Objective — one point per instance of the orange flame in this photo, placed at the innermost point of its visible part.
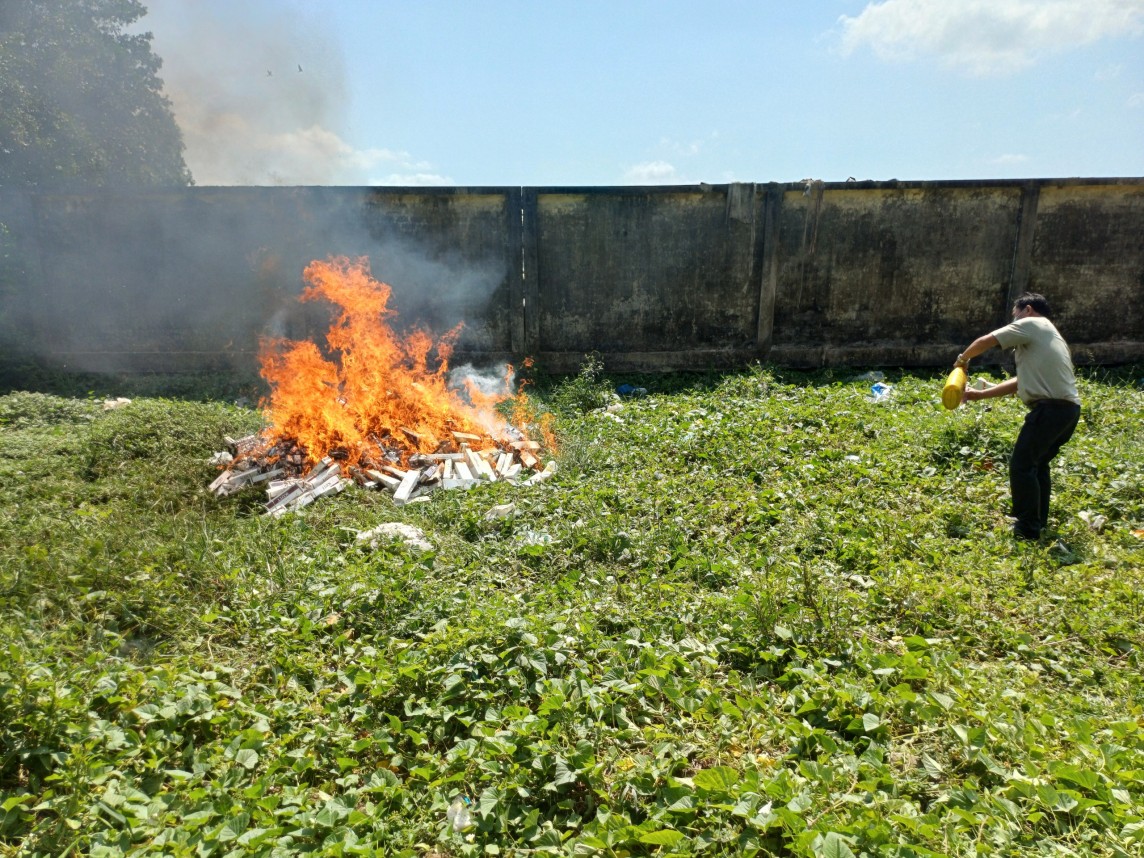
(524, 413)
(377, 388)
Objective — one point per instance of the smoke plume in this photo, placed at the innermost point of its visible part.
(259, 93)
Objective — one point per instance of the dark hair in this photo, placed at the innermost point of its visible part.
(1032, 299)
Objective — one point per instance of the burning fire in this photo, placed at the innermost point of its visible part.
(376, 392)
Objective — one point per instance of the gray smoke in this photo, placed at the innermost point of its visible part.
(493, 382)
(257, 93)
(168, 279)
(178, 279)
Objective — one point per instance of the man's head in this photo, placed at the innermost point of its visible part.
(1039, 304)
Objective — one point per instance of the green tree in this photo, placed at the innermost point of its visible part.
(80, 98)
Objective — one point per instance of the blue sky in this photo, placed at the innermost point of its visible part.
(374, 92)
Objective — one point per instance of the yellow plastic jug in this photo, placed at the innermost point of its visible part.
(954, 385)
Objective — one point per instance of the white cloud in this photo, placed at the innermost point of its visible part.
(987, 37)
(652, 173)
(1009, 160)
(672, 161)
(227, 148)
(1136, 99)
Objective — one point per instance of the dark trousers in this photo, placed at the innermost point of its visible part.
(1048, 425)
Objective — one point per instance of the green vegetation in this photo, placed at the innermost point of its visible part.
(755, 614)
(81, 101)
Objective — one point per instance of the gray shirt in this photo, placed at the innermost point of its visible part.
(1044, 364)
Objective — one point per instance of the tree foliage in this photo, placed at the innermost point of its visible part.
(80, 99)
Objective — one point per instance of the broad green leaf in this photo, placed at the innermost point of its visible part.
(933, 767)
(247, 758)
(800, 803)
(765, 816)
(590, 842)
(564, 775)
(112, 814)
(942, 700)
(193, 820)
(834, 846)
(663, 837)
(717, 779)
(548, 839)
(330, 814)
(234, 827)
(1048, 796)
(251, 835)
(1084, 778)
(1059, 800)
(490, 801)
(16, 801)
(683, 804)
(905, 692)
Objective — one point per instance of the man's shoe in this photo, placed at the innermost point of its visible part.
(1026, 534)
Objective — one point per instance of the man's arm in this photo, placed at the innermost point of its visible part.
(978, 347)
(1005, 388)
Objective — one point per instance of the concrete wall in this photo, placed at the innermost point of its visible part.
(897, 273)
(887, 275)
(657, 278)
(865, 273)
(1087, 251)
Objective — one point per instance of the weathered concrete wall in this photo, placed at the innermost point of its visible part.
(867, 273)
(1087, 252)
(655, 277)
(901, 273)
(888, 275)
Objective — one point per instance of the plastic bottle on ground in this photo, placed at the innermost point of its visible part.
(458, 814)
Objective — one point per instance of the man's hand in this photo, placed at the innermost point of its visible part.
(967, 395)
(978, 347)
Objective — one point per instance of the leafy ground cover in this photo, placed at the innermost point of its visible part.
(752, 614)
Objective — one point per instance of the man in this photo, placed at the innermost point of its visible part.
(1045, 382)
